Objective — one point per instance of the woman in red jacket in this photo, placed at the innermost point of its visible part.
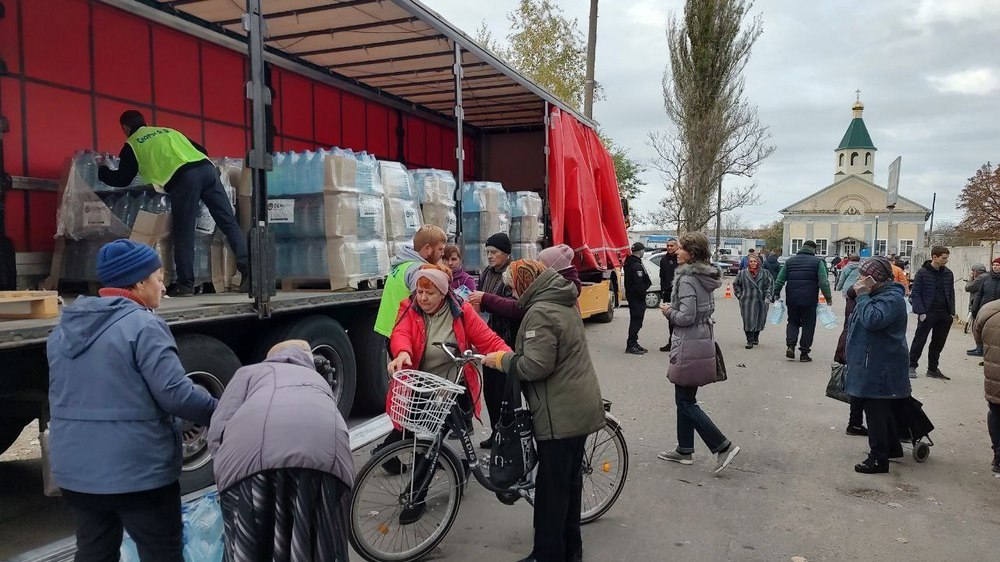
(434, 314)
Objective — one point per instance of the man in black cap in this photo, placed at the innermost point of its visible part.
(806, 276)
(636, 283)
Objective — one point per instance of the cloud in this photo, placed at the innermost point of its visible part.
(647, 14)
(933, 12)
(974, 81)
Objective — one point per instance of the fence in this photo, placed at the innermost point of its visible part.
(960, 262)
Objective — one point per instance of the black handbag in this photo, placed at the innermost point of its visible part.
(835, 388)
(720, 365)
(513, 453)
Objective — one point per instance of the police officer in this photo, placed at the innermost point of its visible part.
(636, 283)
(168, 159)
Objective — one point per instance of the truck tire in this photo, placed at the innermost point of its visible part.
(10, 430)
(373, 361)
(211, 365)
(328, 338)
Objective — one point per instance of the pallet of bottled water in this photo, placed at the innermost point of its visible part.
(485, 212)
(435, 192)
(403, 217)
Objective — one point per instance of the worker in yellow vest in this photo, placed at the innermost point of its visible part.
(428, 247)
(168, 159)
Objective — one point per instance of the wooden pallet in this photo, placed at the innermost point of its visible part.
(292, 284)
(20, 305)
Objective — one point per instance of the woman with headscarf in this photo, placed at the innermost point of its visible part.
(692, 351)
(753, 287)
(855, 419)
(560, 383)
(282, 461)
(435, 314)
(878, 359)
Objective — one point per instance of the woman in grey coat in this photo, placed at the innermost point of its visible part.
(282, 454)
(692, 351)
(753, 287)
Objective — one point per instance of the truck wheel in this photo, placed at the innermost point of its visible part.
(327, 338)
(211, 365)
(373, 360)
(10, 430)
(608, 316)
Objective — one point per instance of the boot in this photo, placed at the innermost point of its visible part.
(790, 352)
(996, 462)
(244, 270)
(977, 352)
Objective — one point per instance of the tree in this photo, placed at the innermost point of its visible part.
(551, 50)
(950, 233)
(772, 234)
(735, 225)
(717, 133)
(980, 198)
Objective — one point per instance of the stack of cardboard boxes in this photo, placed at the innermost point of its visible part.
(435, 191)
(526, 229)
(485, 212)
(402, 211)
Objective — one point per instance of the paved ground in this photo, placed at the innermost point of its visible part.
(791, 493)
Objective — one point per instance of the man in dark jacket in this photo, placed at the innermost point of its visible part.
(771, 263)
(933, 297)
(668, 264)
(988, 291)
(171, 161)
(636, 283)
(115, 387)
(805, 275)
(977, 276)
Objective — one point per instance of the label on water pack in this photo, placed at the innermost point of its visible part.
(451, 224)
(410, 219)
(368, 207)
(281, 211)
(205, 223)
(96, 214)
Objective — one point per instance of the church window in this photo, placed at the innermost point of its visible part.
(854, 156)
(841, 159)
(880, 247)
(868, 158)
(906, 248)
(796, 245)
(822, 245)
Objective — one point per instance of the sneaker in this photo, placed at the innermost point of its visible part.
(978, 352)
(673, 456)
(937, 374)
(804, 357)
(634, 350)
(913, 372)
(749, 345)
(996, 463)
(790, 352)
(665, 348)
(856, 430)
(871, 466)
(726, 457)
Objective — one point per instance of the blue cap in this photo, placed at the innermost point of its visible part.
(123, 263)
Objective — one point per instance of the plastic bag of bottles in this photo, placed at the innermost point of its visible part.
(826, 317)
(203, 538)
(777, 314)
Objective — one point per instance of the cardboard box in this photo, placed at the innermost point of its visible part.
(150, 228)
(339, 173)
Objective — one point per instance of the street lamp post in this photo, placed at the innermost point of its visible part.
(875, 242)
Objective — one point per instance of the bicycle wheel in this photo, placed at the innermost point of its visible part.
(605, 468)
(382, 489)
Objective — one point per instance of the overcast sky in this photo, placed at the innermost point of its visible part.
(928, 70)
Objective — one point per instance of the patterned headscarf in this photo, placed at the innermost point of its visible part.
(521, 274)
(878, 268)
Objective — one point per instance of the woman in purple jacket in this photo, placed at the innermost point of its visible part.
(452, 257)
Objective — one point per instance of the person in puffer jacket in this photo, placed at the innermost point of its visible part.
(987, 330)
(116, 391)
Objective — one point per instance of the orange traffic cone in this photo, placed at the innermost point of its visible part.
(729, 292)
(822, 299)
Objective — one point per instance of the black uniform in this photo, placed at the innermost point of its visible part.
(636, 283)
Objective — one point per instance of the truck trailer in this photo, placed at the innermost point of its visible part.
(391, 78)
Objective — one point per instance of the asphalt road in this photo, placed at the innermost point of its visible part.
(792, 493)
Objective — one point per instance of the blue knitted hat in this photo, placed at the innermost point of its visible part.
(123, 263)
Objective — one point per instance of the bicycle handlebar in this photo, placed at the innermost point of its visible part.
(467, 357)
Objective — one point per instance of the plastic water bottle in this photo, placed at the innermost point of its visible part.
(826, 317)
(128, 551)
(313, 220)
(292, 185)
(777, 312)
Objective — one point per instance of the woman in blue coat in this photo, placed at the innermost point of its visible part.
(877, 359)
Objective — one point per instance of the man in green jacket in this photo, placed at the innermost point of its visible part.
(428, 247)
(169, 160)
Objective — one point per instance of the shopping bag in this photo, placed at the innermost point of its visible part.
(720, 365)
(777, 314)
(835, 388)
(513, 454)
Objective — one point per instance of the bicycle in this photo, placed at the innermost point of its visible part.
(402, 510)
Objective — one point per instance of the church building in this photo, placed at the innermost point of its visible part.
(850, 215)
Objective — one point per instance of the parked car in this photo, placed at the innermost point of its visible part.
(732, 265)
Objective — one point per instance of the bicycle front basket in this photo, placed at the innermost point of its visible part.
(420, 402)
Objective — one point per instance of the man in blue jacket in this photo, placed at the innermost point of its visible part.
(932, 295)
(805, 275)
(115, 385)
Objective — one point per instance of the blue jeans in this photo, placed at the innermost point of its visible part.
(691, 418)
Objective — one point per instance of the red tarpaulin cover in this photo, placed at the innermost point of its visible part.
(585, 207)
